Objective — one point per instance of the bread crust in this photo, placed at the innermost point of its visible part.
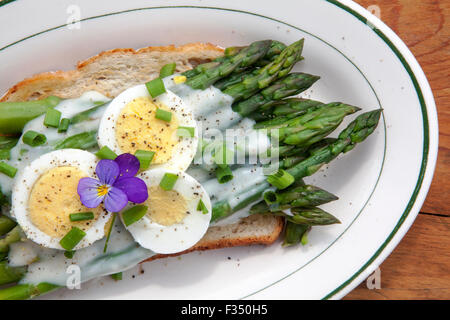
(43, 84)
(95, 72)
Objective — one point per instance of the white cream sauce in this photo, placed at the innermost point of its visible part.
(23, 154)
(211, 107)
(51, 266)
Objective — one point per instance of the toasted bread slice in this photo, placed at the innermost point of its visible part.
(112, 72)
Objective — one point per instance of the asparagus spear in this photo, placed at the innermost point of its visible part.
(26, 291)
(244, 58)
(301, 196)
(295, 233)
(12, 236)
(289, 108)
(84, 140)
(8, 142)
(356, 132)
(6, 224)
(263, 77)
(275, 49)
(310, 127)
(292, 84)
(249, 194)
(14, 115)
(10, 274)
(312, 216)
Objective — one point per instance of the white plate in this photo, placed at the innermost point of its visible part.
(381, 184)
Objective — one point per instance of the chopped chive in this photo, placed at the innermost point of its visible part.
(270, 197)
(106, 153)
(134, 214)
(5, 154)
(5, 168)
(201, 207)
(281, 179)
(187, 132)
(52, 117)
(69, 254)
(167, 70)
(33, 138)
(81, 216)
(109, 232)
(224, 174)
(163, 115)
(155, 87)
(64, 125)
(72, 238)
(168, 181)
(117, 276)
(304, 240)
(145, 158)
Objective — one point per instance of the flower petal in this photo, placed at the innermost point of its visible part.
(128, 164)
(87, 190)
(107, 171)
(115, 200)
(134, 188)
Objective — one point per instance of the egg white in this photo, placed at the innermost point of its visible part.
(83, 160)
(180, 236)
(183, 152)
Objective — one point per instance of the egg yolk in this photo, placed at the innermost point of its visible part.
(138, 129)
(54, 197)
(166, 207)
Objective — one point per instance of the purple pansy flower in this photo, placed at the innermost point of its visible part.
(116, 184)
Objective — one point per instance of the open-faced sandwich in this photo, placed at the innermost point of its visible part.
(137, 155)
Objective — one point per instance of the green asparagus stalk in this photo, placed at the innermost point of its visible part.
(14, 115)
(89, 114)
(310, 127)
(84, 140)
(10, 274)
(292, 84)
(6, 224)
(307, 133)
(8, 142)
(301, 196)
(294, 233)
(356, 132)
(26, 291)
(233, 79)
(294, 107)
(11, 237)
(244, 58)
(263, 77)
(312, 216)
(275, 49)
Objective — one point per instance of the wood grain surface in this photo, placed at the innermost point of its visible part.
(419, 268)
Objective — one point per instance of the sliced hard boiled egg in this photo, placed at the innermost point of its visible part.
(174, 220)
(133, 122)
(45, 194)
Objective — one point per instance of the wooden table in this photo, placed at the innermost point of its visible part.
(419, 268)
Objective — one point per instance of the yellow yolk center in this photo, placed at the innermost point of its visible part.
(54, 197)
(165, 207)
(138, 129)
